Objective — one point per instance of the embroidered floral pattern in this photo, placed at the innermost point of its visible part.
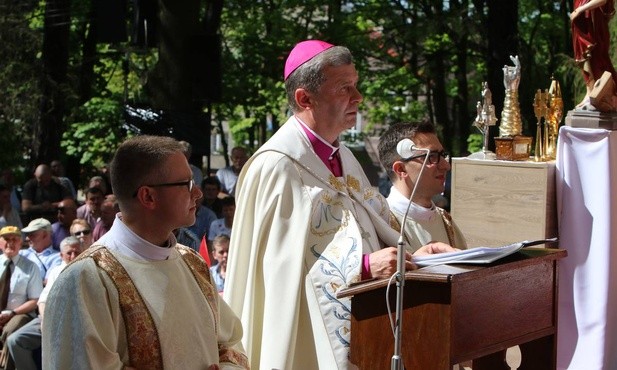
(337, 267)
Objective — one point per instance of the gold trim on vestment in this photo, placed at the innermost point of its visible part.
(447, 223)
(144, 346)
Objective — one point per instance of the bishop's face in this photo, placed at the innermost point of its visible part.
(335, 105)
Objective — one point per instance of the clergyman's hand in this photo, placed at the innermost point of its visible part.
(383, 262)
(434, 248)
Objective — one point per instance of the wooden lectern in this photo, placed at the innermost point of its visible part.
(457, 313)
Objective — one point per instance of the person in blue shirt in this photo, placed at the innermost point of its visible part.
(220, 250)
(41, 252)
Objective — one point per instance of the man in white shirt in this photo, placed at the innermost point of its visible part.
(41, 252)
(23, 342)
(228, 176)
(22, 281)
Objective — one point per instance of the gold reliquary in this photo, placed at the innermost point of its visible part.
(513, 148)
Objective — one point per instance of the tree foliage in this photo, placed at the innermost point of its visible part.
(416, 59)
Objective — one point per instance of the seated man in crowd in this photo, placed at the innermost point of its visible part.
(91, 210)
(222, 226)
(41, 194)
(104, 223)
(57, 170)
(20, 288)
(41, 252)
(228, 176)
(211, 187)
(425, 221)
(67, 212)
(27, 339)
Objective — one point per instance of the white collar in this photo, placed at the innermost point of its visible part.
(398, 203)
(122, 239)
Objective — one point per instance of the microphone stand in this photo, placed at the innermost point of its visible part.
(396, 362)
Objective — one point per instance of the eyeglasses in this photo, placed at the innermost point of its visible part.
(82, 232)
(189, 183)
(433, 156)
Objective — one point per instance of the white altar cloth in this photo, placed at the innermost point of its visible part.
(587, 214)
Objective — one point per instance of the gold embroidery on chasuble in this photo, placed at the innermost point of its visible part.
(447, 223)
(142, 337)
(394, 223)
(353, 183)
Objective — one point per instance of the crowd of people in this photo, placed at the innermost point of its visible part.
(61, 223)
(283, 230)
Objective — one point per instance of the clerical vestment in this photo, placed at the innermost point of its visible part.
(116, 311)
(298, 238)
(424, 225)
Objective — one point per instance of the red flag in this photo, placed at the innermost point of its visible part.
(203, 251)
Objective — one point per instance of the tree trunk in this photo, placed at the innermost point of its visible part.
(170, 83)
(86, 73)
(502, 31)
(47, 133)
(461, 119)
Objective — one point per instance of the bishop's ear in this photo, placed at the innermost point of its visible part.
(303, 98)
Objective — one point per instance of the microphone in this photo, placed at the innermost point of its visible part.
(406, 147)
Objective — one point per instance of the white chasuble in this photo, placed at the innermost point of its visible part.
(298, 238)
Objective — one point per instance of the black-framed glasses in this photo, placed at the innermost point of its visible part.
(82, 232)
(188, 183)
(433, 156)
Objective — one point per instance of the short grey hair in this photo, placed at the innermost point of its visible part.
(310, 75)
(68, 241)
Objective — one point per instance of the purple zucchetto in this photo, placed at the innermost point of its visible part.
(302, 53)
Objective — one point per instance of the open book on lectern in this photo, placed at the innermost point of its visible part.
(479, 255)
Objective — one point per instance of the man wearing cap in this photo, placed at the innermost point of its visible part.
(308, 222)
(41, 252)
(20, 288)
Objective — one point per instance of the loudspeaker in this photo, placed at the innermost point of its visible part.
(110, 20)
(207, 67)
(145, 23)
